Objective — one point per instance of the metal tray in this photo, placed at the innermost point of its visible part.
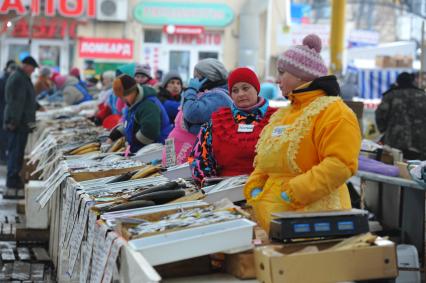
(194, 242)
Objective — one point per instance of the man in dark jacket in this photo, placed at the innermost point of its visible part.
(10, 67)
(401, 117)
(19, 120)
(146, 120)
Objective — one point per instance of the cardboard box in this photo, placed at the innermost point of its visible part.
(403, 62)
(190, 267)
(403, 170)
(27, 170)
(385, 62)
(241, 265)
(283, 263)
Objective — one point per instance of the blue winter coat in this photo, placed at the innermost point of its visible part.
(198, 107)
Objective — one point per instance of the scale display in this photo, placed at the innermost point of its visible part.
(287, 226)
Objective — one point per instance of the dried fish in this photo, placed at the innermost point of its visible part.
(187, 218)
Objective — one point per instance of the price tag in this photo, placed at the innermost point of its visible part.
(278, 131)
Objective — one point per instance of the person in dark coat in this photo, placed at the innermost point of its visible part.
(19, 121)
(401, 117)
(10, 67)
(170, 92)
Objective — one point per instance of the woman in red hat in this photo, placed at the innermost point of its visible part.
(225, 145)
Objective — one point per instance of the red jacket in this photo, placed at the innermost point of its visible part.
(233, 149)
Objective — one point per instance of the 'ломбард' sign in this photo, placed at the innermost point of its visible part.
(105, 48)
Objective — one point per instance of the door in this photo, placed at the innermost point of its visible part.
(179, 61)
(54, 54)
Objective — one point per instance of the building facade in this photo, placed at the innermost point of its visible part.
(99, 35)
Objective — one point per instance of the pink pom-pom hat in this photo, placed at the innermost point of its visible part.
(304, 61)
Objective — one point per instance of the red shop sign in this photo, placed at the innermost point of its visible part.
(43, 28)
(191, 39)
(71, 9)
(105, 48)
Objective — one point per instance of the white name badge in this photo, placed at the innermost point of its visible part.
(245, 128)
(278, 131)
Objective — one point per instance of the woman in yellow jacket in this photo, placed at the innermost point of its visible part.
(309, 149)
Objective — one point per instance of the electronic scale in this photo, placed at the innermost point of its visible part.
(328, 224)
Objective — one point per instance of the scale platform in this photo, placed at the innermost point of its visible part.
(328, 224)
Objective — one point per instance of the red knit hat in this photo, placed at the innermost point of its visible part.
(75, 72)
(243, 74)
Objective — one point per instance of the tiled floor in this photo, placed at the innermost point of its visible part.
(21, 269)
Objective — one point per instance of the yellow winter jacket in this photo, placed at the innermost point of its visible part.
(308, 150)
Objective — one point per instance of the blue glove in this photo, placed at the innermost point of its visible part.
(285, 197)
(255, 192)
(196, 84)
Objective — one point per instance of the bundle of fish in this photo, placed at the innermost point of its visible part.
(185, 219)
(148, 196)
(118, 145)
(86, 148)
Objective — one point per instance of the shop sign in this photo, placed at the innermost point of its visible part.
(105, 48)
(363, 38)
(65, 8)
(172, 29)
(195, 14)
(296, 33)
(43, 28)
(190, 39)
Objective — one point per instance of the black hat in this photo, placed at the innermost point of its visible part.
(405, 79)
(30, 61)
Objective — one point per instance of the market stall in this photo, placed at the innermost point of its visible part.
(114, 215)
(410, 205)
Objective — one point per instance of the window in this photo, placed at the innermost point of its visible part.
(18, 52)
(49, 56)
(152, 36)
(203, 55)
(179, 62)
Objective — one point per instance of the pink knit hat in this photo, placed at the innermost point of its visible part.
(60, 81)
(304, 61)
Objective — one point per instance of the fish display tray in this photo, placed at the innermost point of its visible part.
(194, 242)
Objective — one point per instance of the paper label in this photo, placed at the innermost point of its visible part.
(69, 195)
(109, 268)
(245, 128)
(78, 234)
(101, 253)
(52, 183)
(88, 249)
(84, 262)
(170, 152)
(72, 220)
(99, 242)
